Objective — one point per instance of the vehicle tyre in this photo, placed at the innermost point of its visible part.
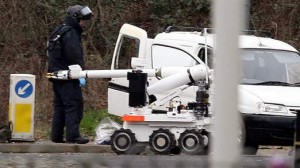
(206, 141)
(241, 133)
(250, 148)
(122, 140)
(191, 142)
(162, 141)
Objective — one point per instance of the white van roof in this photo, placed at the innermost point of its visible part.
(251, 41)
(185, 37)
(247, 41)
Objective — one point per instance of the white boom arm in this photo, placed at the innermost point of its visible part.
(174, 79)
(76, 72)
(183, 77)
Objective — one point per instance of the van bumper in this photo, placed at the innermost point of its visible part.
(270, 130)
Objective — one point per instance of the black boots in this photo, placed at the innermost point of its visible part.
(58, 141)
(79, 140)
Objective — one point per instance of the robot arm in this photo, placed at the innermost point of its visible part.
(190, 75)
(76, 72)
(171, 78)
(137, 83)
(198, 73)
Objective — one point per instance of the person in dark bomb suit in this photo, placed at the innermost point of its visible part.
(64, 49)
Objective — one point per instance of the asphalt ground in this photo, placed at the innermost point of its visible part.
(48, 154)
(104, 160)
(92, 147)
(50, 147)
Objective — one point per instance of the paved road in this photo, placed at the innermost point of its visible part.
(109, 160)
(79, 160)
(45, 154)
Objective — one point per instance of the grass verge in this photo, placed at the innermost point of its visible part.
(88, 125)
(91, 120)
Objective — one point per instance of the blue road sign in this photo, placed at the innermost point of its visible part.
(24, 88)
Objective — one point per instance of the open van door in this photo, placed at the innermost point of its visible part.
(132, 42)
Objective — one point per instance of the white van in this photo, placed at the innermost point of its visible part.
(268, 93)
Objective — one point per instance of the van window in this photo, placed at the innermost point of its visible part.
(170, 56)
(210, 58)
(270, 65)
(129, 48)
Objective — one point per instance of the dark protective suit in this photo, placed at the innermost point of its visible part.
(68, 101)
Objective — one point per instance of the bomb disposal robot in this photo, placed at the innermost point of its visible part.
(184, 127)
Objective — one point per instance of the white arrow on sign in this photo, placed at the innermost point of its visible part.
(21, 90)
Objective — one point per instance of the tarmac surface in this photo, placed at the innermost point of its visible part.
(50, 147)
(92, 147)
(48, 154)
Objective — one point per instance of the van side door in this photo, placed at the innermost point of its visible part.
(131, 42)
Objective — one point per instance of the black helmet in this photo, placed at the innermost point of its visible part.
(80, 12)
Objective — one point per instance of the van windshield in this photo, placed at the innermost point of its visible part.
(270, 66)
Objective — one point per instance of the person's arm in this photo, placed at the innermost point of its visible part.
(73, 48)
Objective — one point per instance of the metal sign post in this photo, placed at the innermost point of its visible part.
(228, 24)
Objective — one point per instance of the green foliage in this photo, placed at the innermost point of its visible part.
(180, 12)
(92, 118)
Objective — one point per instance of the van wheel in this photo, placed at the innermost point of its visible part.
(250, 148)
(241, 133)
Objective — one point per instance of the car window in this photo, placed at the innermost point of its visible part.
(170, 56)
